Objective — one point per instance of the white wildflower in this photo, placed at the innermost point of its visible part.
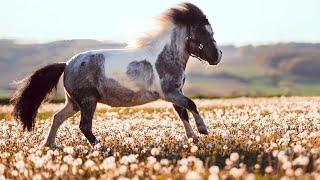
(193, 149)
(193, 175)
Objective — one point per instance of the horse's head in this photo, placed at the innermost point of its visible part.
(201, 44)
(199, 41)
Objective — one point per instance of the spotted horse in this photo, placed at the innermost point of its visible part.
(153, 69)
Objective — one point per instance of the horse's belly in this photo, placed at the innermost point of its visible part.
(129, 82)
(117, 95)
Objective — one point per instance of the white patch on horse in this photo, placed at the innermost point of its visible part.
(117, 60)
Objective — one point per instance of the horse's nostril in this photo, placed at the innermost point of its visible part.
(220, 51)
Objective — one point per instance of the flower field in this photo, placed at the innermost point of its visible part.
(249, 138)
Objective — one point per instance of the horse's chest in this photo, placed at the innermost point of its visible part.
(171, 75)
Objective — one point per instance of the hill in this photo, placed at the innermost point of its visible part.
(276, 69)
(18, 60)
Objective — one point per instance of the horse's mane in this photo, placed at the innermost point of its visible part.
(182, 14)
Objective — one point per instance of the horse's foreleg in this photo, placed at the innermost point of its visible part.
(67, 111)
(183, 114)
(179, 99)
(87, 107)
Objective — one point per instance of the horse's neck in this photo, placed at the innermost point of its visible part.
(170, 42)
(175, 49)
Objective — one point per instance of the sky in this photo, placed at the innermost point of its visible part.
(237, 22)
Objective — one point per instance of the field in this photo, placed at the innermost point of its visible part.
(250, 138)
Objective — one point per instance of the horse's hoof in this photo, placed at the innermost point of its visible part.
(49, 145)
(96, 144)
(203, 130)
(195, 140)
(52, 146)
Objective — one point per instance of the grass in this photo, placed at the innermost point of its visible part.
(245, 71)
(4, 100)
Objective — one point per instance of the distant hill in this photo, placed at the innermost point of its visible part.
(295, 58)
(277, 69)
(18, 60)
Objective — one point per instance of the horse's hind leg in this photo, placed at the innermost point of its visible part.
(87, 107)
(67, 111)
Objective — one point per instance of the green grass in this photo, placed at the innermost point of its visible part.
(245, 71)
(4, 100)
(40, 115)
(3, 116)
(309, 89)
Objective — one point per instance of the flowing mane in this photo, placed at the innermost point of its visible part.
(181, 15)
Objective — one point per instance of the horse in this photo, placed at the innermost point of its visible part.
(154, 69)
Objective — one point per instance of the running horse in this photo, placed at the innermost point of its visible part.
(154, 69)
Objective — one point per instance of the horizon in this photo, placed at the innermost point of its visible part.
(23, 42)
(250, 18)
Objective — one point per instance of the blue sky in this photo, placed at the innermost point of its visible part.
(236, 22)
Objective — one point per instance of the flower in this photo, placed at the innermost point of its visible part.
(89, 163)
(148, 142)
(2, 168)
(234, 157)
(68, 150)
(193, 175)
(155, 151)
(194, 149)
(301, 160)
(123, 170)
(236, 173)
(269, 169)
(214, 170)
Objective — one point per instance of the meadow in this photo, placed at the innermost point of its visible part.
(249, 138)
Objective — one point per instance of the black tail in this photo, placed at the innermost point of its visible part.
(33, 91)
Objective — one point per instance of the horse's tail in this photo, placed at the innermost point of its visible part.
(33, 90)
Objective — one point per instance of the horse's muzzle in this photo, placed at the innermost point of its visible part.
(218, 59)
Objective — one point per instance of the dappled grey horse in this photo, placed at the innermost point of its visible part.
(154, 69)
